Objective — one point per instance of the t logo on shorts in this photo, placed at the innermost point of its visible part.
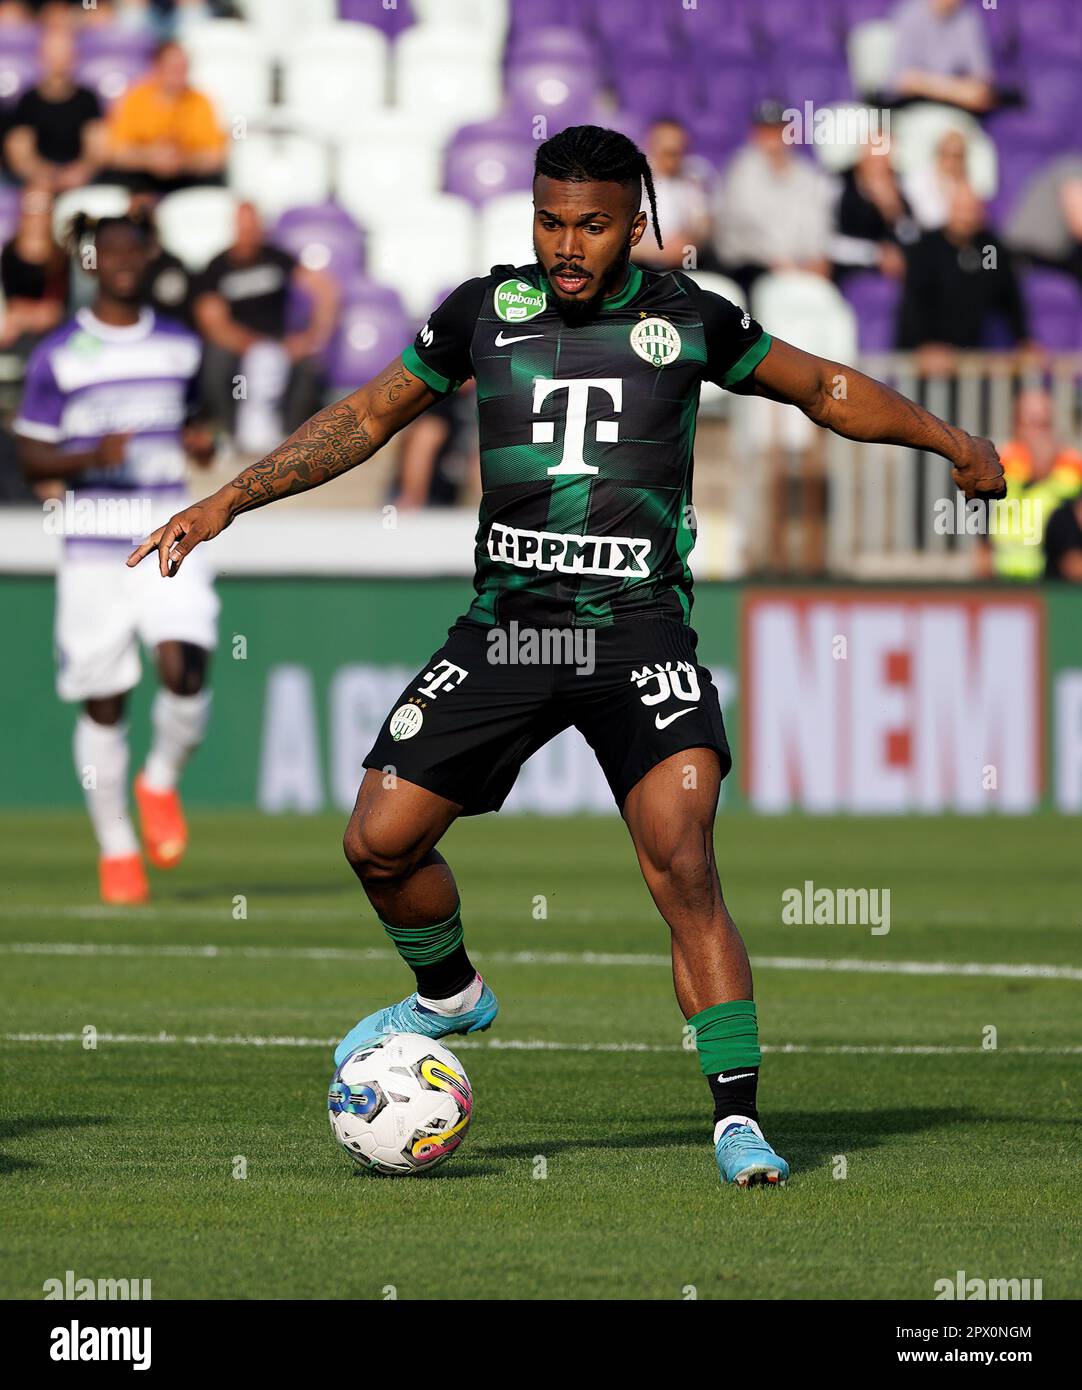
(445, 676)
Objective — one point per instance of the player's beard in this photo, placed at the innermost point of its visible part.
(577, 312)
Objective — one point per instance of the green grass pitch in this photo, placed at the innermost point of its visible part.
(120, 1161)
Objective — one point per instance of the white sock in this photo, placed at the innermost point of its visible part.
(180, 722)
(723, 1125)
(455, 1003)
(101, 763)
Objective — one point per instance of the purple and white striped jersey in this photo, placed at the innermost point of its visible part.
(88, 379)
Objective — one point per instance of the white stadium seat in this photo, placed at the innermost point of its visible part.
(505, 231)
(487, 20)
(95, 199)
(810, 312)
(444, 74)
(280, 171)
(386, 148)
(870, 47)
(426, 250)
(331, 78)
(917, 130)
(278, 22)
(195, 224)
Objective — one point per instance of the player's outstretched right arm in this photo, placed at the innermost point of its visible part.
(333, 441)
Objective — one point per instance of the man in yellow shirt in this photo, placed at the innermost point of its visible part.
(162, 133)
(1041, 473)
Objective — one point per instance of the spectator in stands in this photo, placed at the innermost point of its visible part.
(960, 285)
(1063, 543)
(1042, 473)
(773, 209)
(682, 207)
(941, 54)
(34, 276)
(873, 218)
(439, 464)
(163, 134)
(1046, 225)
(56, 139)
(241, 303)
(929, 188)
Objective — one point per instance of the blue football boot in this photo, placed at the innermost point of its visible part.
(411, 1017)
(745, 1158)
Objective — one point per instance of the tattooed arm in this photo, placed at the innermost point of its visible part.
(333, 441)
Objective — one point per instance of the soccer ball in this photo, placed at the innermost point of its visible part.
(400, 1103)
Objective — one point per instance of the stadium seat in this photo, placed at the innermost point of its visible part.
(110, 60)
(370, 164)
(445, 77)
(561, 92)
(528, 14)
(280, 171)
(390, 19)
(486, 160)
(373, 329)
(809, 312)
(860, 11)
(799, 78)
(505, 232)
(333, 76)
(874, 299)
(1054, 301)
(870, 47)
(484, 17)
(95, 199)
(10, 200)
(322, 237)
(800, 27)
(275, 24)
(916, 130)
(556, 45)
(644, 23)
(427, 245)
(19, 70)
(195, 224)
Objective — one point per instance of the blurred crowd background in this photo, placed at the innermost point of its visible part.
(892, 182)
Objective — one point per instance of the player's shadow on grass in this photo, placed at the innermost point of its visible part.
(19, 1126)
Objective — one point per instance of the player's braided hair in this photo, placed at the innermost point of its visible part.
(83, 228)
(585, 153)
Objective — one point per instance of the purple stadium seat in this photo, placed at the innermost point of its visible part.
(391, 21)
(1054, 301)
(801, 27)
(18, 71)
(716, 135)
(1024, 142)
(857, 11)
(553, 44)
(322, 236)
(562, 93)
(725, 26)
(798, 79)
(540, 14)
(650, 89)
(485, 160)
(874, 299)
(644, 23)
(373, 329)
(110, 74)
(1051, 26)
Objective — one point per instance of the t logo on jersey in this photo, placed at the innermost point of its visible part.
(578, 398)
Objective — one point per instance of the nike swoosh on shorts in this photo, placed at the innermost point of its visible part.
(663, 723)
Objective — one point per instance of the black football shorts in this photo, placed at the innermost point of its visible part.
(492, 696)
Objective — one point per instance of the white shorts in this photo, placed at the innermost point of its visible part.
(104, 610)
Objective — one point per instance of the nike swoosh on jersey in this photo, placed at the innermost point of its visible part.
(501, 341)
(663, 723)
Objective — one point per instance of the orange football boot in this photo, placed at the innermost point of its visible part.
(161, 819)
(123, 880)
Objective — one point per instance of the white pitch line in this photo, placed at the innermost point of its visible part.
(541, 1045)
(840, 965)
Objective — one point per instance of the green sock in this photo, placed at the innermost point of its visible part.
(727, 1036)
(426, 945)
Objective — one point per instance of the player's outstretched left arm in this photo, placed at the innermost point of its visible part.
(333, 441)
(858, 407)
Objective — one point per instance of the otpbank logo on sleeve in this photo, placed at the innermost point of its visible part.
(515, 301)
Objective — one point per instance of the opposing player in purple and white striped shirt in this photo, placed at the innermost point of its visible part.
(107, 410)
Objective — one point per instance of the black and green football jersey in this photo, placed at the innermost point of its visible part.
(586, 437)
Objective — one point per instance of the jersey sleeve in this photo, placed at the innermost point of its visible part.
(440, 353)
(735, 343)
(42, 406)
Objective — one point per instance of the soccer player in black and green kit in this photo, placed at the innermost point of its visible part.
(588, 372)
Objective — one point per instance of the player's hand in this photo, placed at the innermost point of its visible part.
(979, 472)
(181, 534)
(111, 450)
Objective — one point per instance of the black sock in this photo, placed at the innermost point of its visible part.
(445, 977)
(734, 1092)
